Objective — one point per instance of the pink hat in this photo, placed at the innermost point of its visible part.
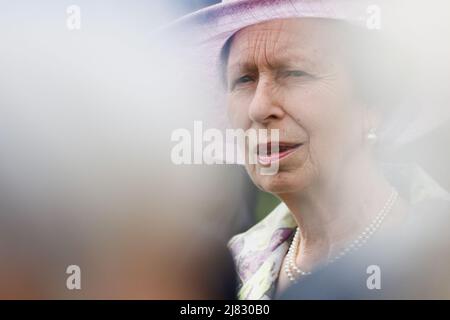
(211, 27)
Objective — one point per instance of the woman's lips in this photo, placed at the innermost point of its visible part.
(284, 150)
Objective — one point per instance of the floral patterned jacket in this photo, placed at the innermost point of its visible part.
(259, 252)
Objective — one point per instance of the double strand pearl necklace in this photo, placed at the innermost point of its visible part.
(293, 271)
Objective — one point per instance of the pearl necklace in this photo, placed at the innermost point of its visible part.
(293, 271)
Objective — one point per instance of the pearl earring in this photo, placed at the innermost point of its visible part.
(372, 136)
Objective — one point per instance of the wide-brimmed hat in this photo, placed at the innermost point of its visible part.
(206, 31)
(211, 27)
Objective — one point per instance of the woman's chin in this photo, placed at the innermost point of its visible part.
(280, 183)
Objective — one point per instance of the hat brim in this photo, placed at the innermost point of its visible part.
(214, 25)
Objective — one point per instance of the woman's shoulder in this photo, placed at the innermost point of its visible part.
(414, 184)
(259, 251)
(429, 202)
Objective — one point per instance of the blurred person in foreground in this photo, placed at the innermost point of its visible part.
(340, 96)
(86, 177)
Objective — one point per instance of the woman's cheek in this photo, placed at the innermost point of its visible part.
(238, 113)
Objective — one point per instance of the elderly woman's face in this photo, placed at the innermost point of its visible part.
(289, 75)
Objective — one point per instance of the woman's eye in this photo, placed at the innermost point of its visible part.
(242, 80)
(296, 73)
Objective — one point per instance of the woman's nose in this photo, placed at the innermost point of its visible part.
(265, 106)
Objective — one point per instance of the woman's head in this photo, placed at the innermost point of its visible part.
(295, 75)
